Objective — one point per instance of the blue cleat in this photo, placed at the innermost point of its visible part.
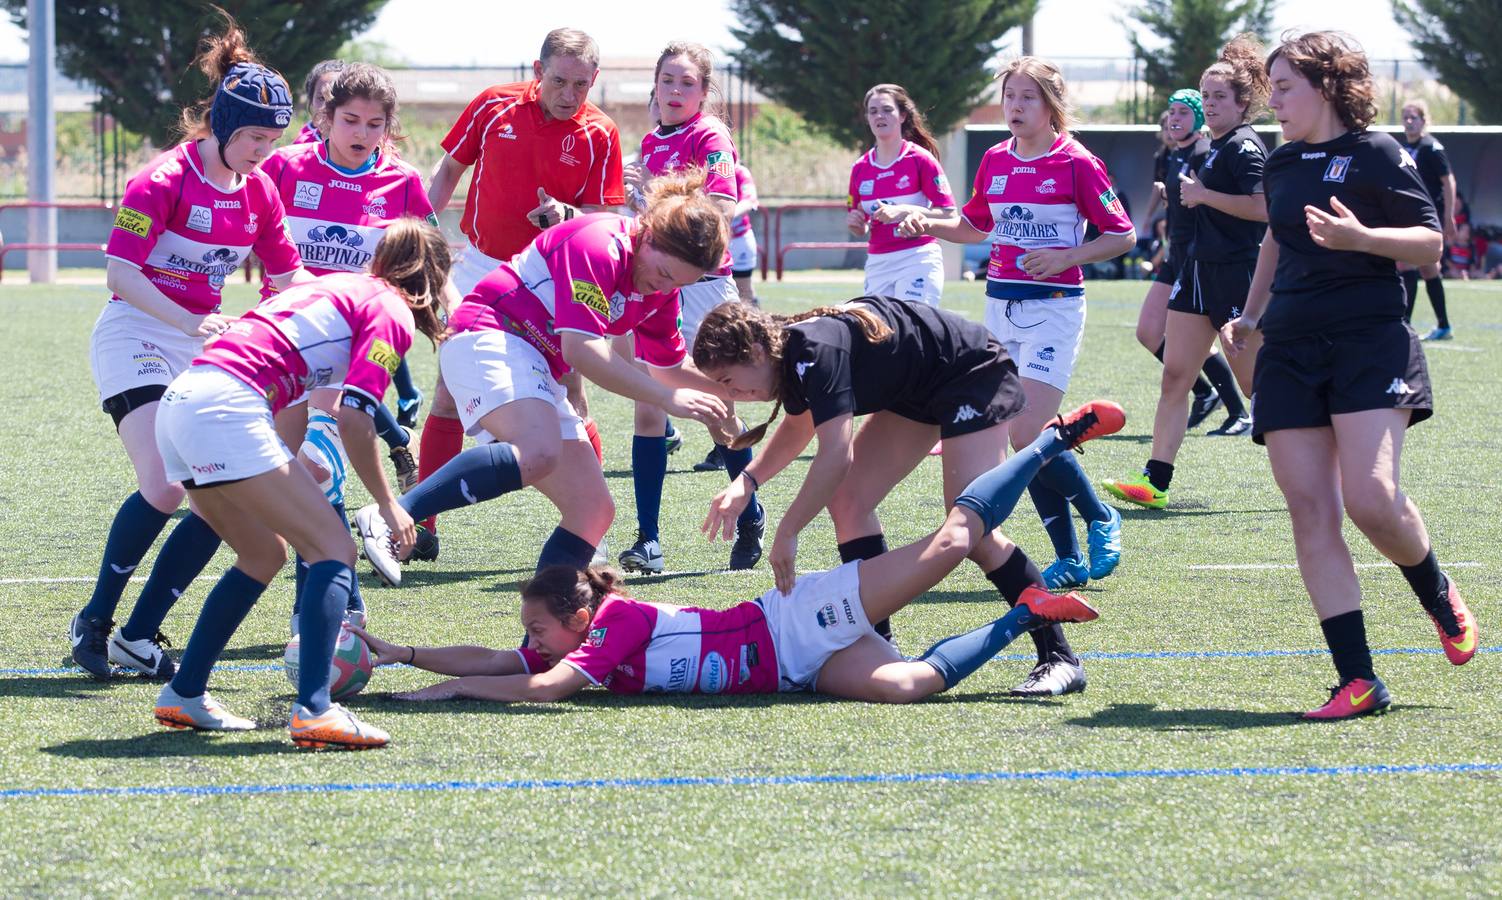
(1066, 572)
(1105, 544)
(1439, 334)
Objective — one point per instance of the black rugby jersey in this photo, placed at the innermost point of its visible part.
(830, 369)
(1429, 155)
(1234, 166)
(1186, 160)
(1320, 290)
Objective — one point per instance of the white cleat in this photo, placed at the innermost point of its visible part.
(145, 656)
(202, 713)
(375, 537)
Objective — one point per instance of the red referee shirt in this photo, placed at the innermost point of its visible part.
(515, 149)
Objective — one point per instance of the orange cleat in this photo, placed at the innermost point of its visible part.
(1357, 697)
(1460, 642)
(1070, 607)
(336, 729)
(1097, 418)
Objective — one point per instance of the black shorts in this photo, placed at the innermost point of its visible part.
(1302, 382)
(983, 397)
(1215, 290)
(1168, 269)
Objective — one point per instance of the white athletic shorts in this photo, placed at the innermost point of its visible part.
(916, 273)
(470, 267)
(698, 299)
(821, 617)
(130, 349)
(486, 369)
(743, 257)
(1042, 336)
(213, 427)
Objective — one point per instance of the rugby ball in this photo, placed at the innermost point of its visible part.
(349, 671)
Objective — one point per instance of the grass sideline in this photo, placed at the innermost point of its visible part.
(1169, 775)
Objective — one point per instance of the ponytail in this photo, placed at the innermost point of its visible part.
(566, 590)
(217, 54)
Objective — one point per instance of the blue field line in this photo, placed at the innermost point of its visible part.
(552, 784)
(1003, 657)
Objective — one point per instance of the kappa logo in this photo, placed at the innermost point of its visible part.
(307, 195)
(1048, 186)
(964, 414)
(567, 155)
(802, 368)
(201, 219)
(998, 184)
(1337, 169)
(1319, 155)
(1249, 146)
(1399, 387)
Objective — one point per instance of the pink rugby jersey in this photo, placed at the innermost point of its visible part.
(642, 648)
(701, 141)
(187, 235)
(576, 276)
(308, 135)
(1042, 203)
(348, 328)
(335, 219)
(745, 189)
(914, 178)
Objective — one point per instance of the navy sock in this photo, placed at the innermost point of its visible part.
(185, 553)
(1014, 576)
(668, 430)
(735, 462)
(223, 610)
(1436, 288)
(1219, 372)
(1411, 288)
(386, 428)
(299, 578)
(958, 657)
(401, 379)
(1065, 476)
(135, 528)
(325, 596)
(868, 547)
(1053, 509)
(649, 469)
(356, 600)
(994, 493)
(1159, 473)
(564, 548)
(479, 473)
(1427, 581)
(1345, 635)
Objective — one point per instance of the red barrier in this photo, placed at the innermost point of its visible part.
(781, 252)
(43, 204)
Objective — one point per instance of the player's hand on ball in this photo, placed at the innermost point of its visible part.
(207, 326)
(890, 215)
(697, 405)
(784, 559)
(914, 225)
(1338, 231)
(384, 652)
(724, 509)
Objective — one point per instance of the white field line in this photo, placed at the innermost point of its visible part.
(1237, 567)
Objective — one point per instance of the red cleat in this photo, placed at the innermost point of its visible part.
(1461, 642)
(1070, 607)
(1097, 418)
(1357, 697)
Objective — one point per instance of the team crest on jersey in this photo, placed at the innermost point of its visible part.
(252, 226)
(308, 195)
(719, 163)
(903, 183)
(1337, 169)
(133, 221)
(1109, 200)
(201, 218)
(1048, 186)
(867, 186)
(375, 206)
(597, 637)
(567, 155)
(588, 294)
(942, 183)
(998, 184)
(384, 355)
(1210, 159)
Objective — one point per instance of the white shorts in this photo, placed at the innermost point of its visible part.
(823, 616)
(1042, 336)
(698, 299)
(130, 349)
(212, 427)
(916, 273)
(485, 370)
(470, 267)
(743, 257)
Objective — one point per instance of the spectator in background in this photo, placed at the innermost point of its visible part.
(1434, 168)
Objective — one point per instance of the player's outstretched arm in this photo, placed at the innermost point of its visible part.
(557, 683)
(455, 660)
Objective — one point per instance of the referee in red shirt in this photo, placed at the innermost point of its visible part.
(542, 154)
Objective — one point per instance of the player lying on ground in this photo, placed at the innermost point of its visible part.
(819, 637)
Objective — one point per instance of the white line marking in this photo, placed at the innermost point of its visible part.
(1236, 567)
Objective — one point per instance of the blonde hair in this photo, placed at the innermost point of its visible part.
(413, 257)
(1050, 83)
(1240, 66)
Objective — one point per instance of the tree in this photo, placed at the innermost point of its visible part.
(1461, 40)
(818, 58)
(140, 53)
(1192, 32)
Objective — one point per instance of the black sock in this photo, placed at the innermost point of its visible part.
(868, 547)
(1014, 576)
(1436, 289)
(1159, 473)
(1345, 635)
(1201, 386)
(1219, 372)
(1427, 581)
(1411, 286)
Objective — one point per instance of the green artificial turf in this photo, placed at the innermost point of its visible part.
(1170, 775)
